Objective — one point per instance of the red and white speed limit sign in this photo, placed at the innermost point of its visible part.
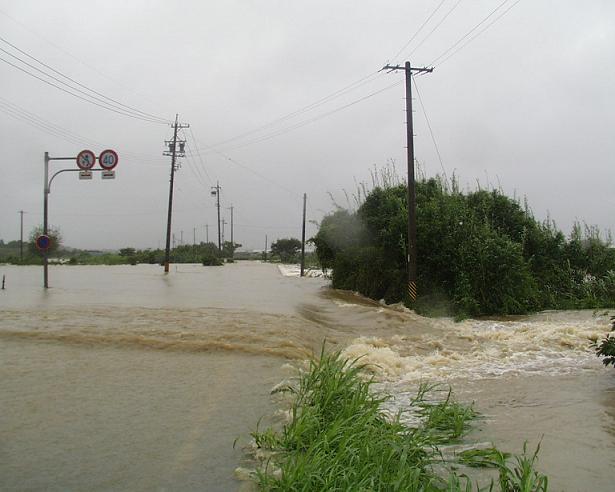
(86, 160)
(108, 159)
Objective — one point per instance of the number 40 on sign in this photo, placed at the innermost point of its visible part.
(107, 159)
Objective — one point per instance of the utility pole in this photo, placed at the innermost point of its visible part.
(194, 236)
(215, 190)
(181, 238)
(303, 236)
(173, 240)
(224, 222)
(207, 233)
(266, 247)
(21, 212)
(409, 70)
(174, 153)
(232, 239)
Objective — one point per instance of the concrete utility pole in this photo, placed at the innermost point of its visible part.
(194, 236)
(174, 153)
(303, 236)
(409, 70)
(207, 233)
(21, 212)
(215, 190)
(224, 222)
(266, 247)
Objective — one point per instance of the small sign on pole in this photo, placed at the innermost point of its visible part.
(86, 160)
(108, 174)
(43, 242)
(85, 174)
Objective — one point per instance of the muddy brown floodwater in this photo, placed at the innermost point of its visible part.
(122, 378)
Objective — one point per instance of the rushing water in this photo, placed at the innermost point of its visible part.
(124, 378)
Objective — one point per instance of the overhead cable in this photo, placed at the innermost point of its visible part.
(479, 33)
(460, 40)
(115, 102)
(418, 31)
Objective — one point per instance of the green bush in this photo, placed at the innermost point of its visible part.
(339, 438)
(478, 253)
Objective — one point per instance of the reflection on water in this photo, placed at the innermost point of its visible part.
(122, 377)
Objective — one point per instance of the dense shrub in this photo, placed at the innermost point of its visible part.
(478, 253)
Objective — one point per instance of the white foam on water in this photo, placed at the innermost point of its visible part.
(478, 349)
(295, 271)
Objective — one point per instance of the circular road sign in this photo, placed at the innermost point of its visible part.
(43, 242)
(108, 159)
(86, 160)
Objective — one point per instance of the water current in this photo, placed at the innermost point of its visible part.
(123, 378)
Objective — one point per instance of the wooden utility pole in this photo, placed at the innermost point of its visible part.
(303, 236)
(232, 239)
(215, 190)
(409, 70)
(21, 212)
(174, 153)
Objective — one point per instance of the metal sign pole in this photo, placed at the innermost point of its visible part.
(85, 160)
(45, 223)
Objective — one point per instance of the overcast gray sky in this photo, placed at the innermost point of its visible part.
(527, 104)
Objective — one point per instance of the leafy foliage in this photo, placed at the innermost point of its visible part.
(286, 249)
(606, 348)
(228, 249)
(478, 253)
(339, 438)
(54, 235)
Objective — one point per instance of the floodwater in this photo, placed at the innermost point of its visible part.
(123, 378)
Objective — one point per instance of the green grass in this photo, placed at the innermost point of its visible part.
(339, 438)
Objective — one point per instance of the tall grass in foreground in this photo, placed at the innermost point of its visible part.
(339, 438)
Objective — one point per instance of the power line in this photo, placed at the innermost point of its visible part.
(76, 95)
(62, 50)
(319, 102)
(55, 130)
(460, 40)
(198, 152)
(419, 30)
(130, 108)
(433, 138)
(479, 33)
(303, 123)
(256, 173)
(450, 11)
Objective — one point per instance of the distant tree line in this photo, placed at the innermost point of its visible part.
(479, 253)
(205, 253)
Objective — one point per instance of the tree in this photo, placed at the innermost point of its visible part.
(228, 249)
(54, 235)
(127, 252)
(286, 249)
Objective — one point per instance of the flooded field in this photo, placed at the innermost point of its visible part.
(124, 378)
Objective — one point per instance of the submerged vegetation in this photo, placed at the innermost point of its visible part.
(479, 253)
(606, 348)
(339, 438)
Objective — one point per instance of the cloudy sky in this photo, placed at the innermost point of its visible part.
(284, 98)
